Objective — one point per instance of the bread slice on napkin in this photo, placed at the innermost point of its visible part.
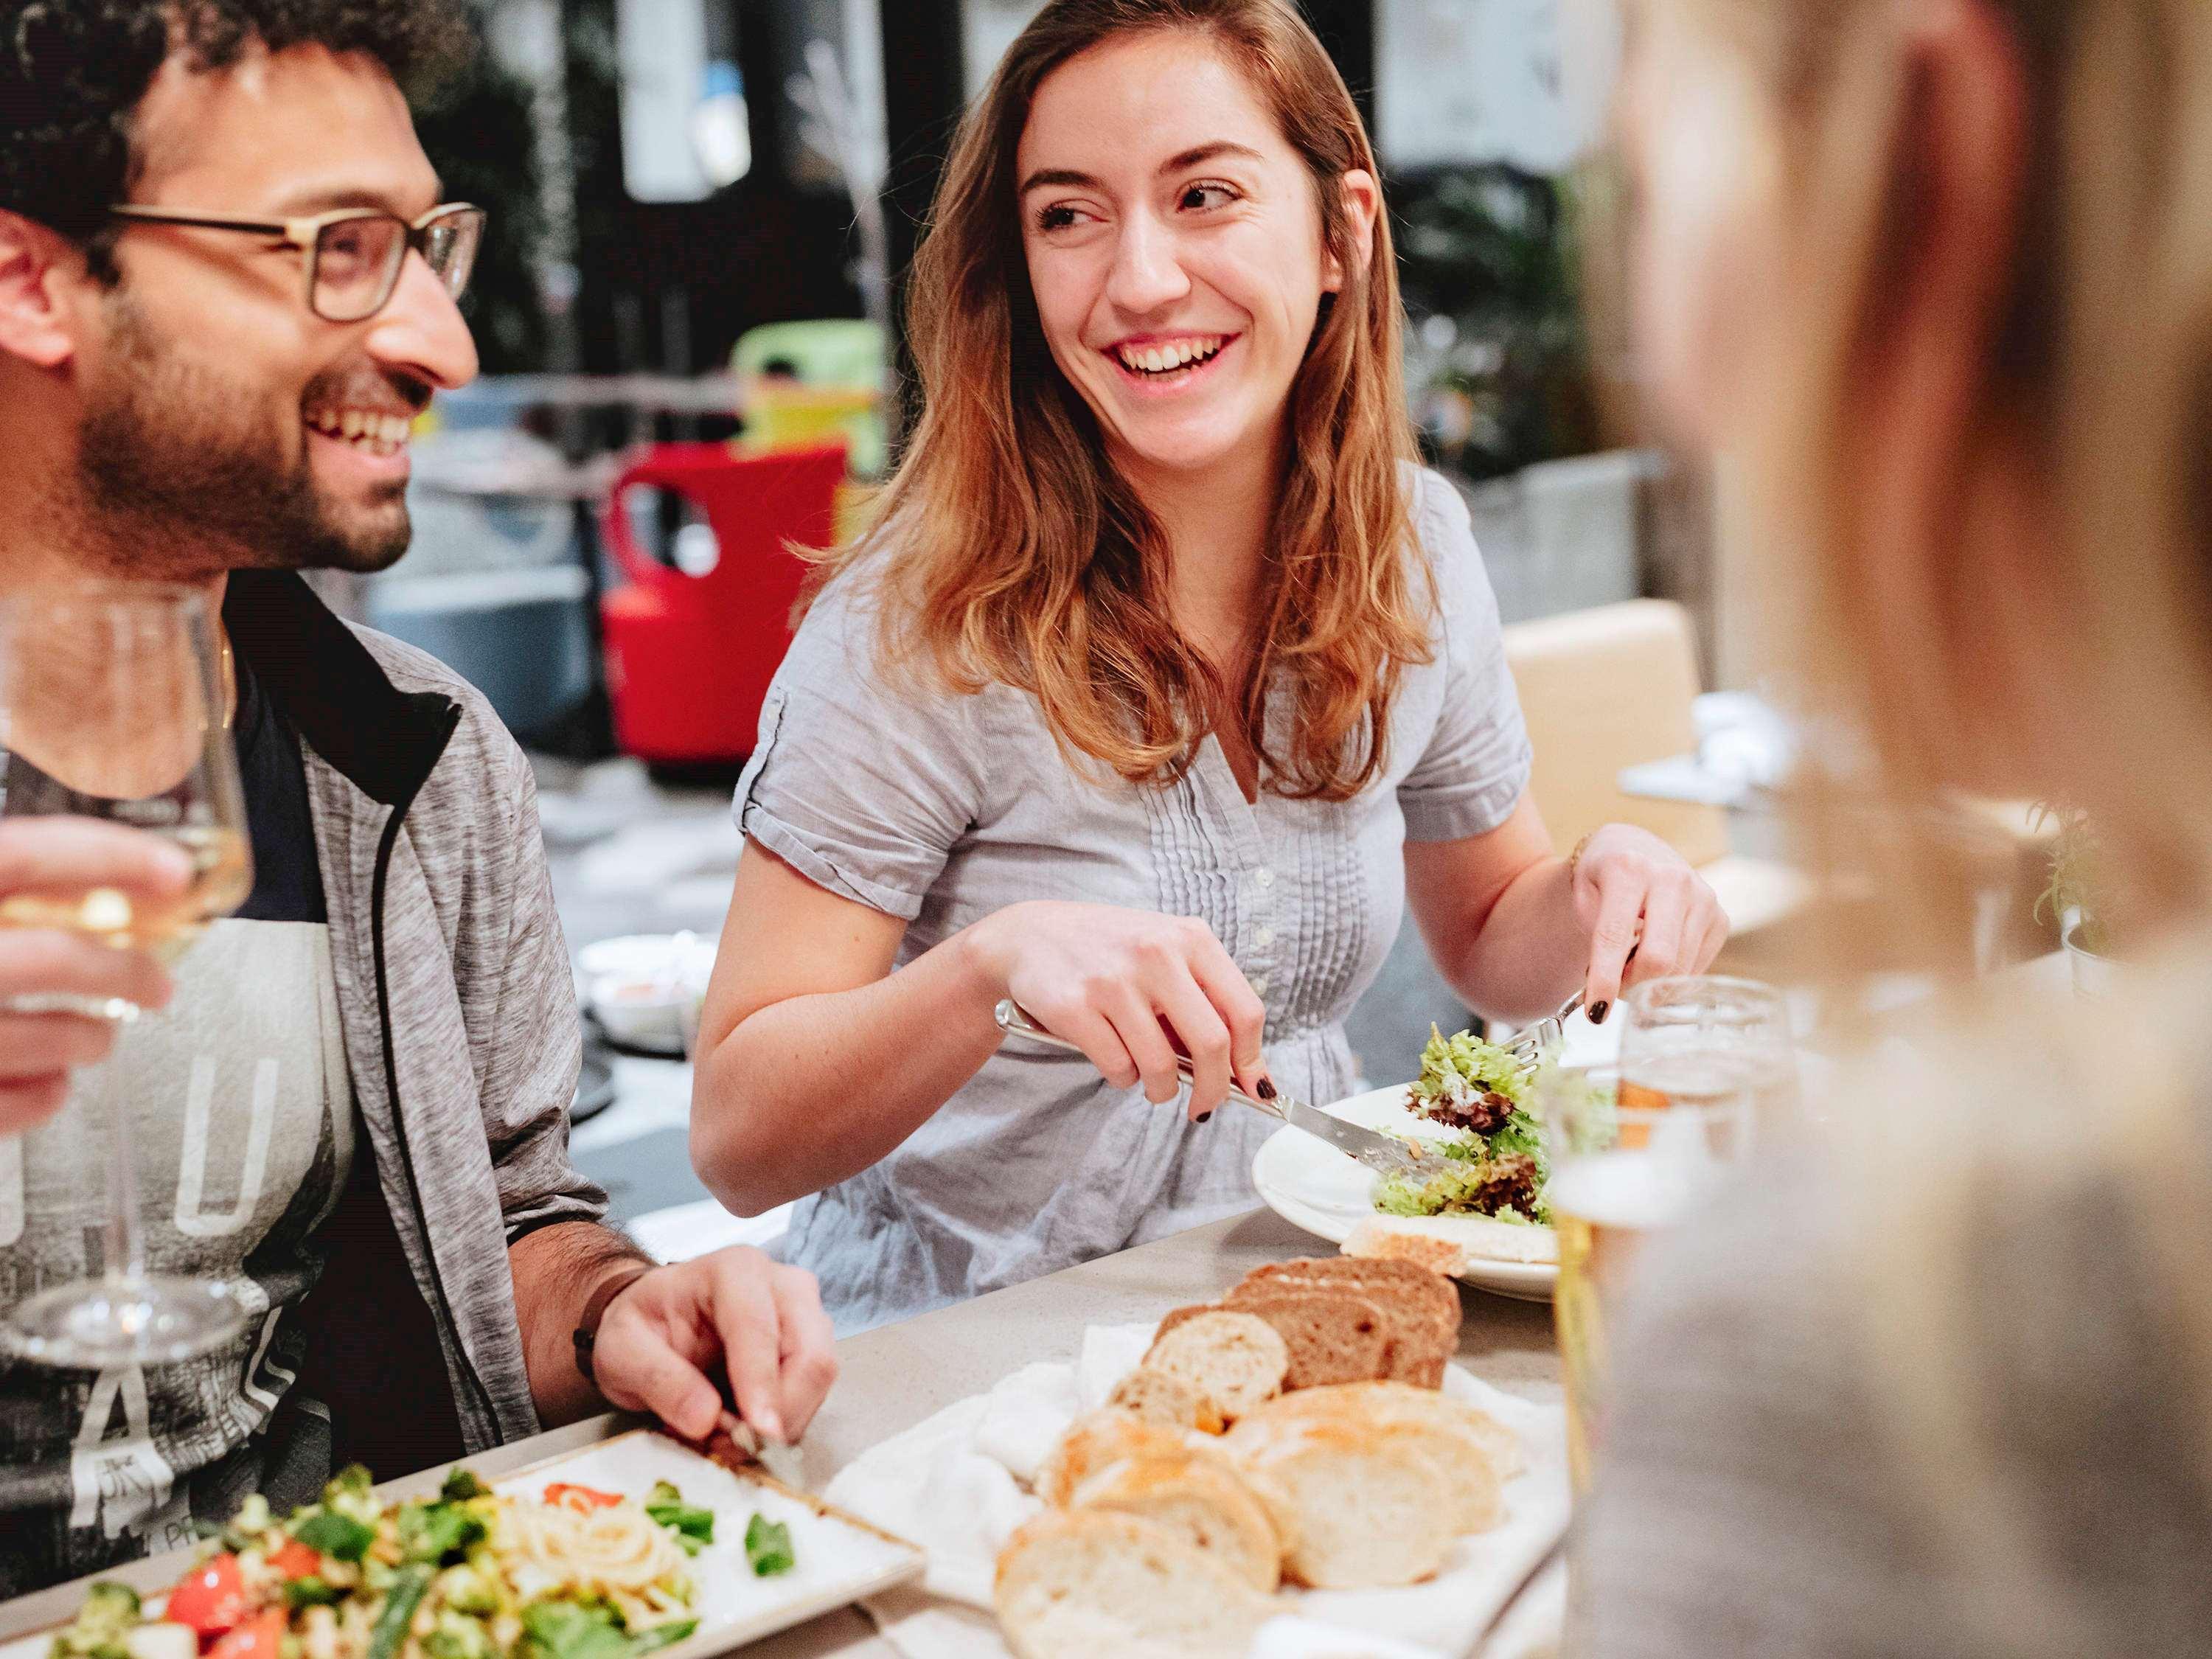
(1360, 1505)
(1331, 1335)
(1202, 1501)
(1234, 1358)
(1465, 1437)
(1091, 1581)
(1095, 1440)
(1421, 1312)
(1171, 1401)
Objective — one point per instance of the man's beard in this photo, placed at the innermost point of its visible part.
(183, 480)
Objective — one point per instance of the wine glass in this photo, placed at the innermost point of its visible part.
(115, 705)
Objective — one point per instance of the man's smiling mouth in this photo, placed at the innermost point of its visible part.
(376, 431)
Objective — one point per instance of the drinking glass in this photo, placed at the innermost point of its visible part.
(114, 705)
(1636, 1148)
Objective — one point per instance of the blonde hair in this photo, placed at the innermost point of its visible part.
(2101, 363)
(1006, 549)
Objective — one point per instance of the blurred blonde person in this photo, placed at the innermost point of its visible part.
(1165, 683)
(1936, 279)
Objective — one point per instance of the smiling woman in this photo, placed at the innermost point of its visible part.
(1163, 679)
(1225, 292)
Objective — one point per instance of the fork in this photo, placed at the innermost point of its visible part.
(1528, 1048)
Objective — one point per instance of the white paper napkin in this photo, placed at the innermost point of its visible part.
(955, 1484)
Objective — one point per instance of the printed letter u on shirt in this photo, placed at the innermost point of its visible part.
(191, 1172)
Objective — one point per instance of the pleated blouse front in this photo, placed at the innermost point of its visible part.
(941, 809)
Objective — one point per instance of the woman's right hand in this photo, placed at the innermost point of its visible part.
(38, 1051)
(1129, 988)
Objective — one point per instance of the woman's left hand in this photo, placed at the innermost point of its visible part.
(1634, 893)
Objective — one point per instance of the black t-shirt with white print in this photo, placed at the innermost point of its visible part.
(246, 1136)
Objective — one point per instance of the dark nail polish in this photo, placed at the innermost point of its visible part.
(1205, 1117)
(1598, 1012)
(1267, 1087)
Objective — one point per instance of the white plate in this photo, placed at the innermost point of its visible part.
(838, 1559)
(1310, 1184)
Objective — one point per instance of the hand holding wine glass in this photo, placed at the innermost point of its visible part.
(115, 707)
(38, 1051)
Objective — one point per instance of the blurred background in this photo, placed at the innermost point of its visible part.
(701, 210)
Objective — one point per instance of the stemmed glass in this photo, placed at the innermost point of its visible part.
(114, 705)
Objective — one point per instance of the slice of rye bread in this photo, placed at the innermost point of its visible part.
(1421, 1310)
(1333, 1336)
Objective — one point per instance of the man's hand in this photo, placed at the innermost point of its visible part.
(664, 1337)
(70, 856)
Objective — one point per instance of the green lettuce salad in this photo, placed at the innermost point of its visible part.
(1495, 1165)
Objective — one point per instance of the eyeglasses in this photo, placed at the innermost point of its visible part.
(352, 258)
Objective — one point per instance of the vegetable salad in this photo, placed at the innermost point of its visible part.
(1496, 1167)
(468, 1574)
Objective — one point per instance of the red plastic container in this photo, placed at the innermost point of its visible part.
(690, 658)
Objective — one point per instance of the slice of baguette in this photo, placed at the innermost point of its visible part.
(1475, 1436)
(1098, 1439)
(1451, 1244)
(1091, 1581)
(1236, 1358)
(1331, 1335)
(1361, 1506)
(1171, 1401)
(1202, 1501)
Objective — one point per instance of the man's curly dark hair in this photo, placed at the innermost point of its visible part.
(73, 73)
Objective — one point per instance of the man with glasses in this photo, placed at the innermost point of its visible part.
(227, 289)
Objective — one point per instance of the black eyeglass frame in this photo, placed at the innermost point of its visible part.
(306, 235)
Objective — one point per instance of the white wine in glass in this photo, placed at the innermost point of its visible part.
(115, 706)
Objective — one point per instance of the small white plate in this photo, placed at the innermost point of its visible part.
(1311, 1185)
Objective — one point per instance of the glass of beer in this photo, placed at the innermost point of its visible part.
(115, 705)
(1637, 1148)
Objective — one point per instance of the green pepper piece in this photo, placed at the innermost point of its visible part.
(408, 1590)
(767, 1546)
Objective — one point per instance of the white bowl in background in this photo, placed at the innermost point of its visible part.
(643, 988)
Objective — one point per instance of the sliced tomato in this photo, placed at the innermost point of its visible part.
(296, 1560)
(580, 1499)
(260, 1638)
(211, 1598)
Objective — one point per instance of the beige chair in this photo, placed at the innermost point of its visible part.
(1611, 687)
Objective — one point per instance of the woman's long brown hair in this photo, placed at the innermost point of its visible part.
(1007, 548)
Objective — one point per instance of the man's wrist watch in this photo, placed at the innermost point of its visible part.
(587, 1334)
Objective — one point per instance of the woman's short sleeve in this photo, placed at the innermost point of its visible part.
(1474, 767)
(863, 788)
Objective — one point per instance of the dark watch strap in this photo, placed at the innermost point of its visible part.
(587, 1334)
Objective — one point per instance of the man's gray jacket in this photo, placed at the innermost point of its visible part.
(458, 1004)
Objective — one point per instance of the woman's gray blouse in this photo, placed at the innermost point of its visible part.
(940, 808)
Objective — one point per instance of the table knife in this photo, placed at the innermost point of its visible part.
(1386, 1155)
